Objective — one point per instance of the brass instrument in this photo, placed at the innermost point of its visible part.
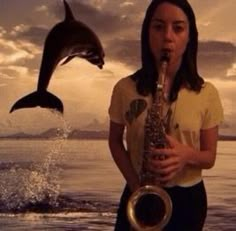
(150, 207)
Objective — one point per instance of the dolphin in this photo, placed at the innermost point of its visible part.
(66, 40)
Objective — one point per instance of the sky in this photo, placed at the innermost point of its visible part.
(84, 89)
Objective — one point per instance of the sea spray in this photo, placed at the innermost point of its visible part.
(35, 187)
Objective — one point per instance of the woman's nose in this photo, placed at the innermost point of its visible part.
(168, 33)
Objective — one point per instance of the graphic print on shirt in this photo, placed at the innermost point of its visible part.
(136, 108)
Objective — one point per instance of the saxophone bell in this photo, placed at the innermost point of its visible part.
(149, 208)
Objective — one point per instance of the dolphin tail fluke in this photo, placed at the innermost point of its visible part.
(69, 15)
(43, 99)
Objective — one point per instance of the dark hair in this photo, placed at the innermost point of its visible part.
(187, 74)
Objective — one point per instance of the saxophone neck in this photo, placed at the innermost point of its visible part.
(162, 75)
(159, 96)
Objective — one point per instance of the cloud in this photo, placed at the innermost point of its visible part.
(216, 58)
(125, 50)
(13, 71)
(91, 16)
(215, 22)
(33, 34)
(126, 4)
(41, 8)
(3, 84)
(19, 29)
(15, 55)
(2, 32)
(231, 72)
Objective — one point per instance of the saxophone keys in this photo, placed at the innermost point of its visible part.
(155, 156)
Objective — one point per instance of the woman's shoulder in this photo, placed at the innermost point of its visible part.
(209, 88)
(207, 92)
(125, 82)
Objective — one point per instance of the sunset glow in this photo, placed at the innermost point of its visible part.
(84, 89)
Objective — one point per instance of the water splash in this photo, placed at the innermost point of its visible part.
(21, 188)
(34, 187)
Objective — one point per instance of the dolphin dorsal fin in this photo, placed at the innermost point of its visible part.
(68, 13)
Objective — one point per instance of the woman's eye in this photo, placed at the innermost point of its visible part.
(158, 27)
(178, 28)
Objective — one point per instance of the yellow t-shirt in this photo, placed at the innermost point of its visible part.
(190, 113)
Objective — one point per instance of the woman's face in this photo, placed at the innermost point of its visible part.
(168, 30)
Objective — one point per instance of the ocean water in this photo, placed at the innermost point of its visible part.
(74, 185)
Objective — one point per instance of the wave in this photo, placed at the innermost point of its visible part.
(34, 187)
(63, 204)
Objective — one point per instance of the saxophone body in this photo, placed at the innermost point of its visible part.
(150, 207)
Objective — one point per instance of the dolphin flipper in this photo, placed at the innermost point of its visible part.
(68, 59)
(39, 98)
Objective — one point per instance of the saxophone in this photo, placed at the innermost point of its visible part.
(150, 208)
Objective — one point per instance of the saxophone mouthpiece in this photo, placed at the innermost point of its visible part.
(165, 56)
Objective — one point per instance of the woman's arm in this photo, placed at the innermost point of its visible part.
(205, 158)
(180, 155)
(121, 156)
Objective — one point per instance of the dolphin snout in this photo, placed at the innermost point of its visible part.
(100, 66)
(101, 63)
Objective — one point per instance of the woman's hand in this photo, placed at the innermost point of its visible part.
(175, 159)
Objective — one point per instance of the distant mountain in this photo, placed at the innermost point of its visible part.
(95, 125)
(79, 134)
(227, 138)
(93, 130)
(17, 135)
(53, 133)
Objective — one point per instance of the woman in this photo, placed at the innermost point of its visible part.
(193, 109)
